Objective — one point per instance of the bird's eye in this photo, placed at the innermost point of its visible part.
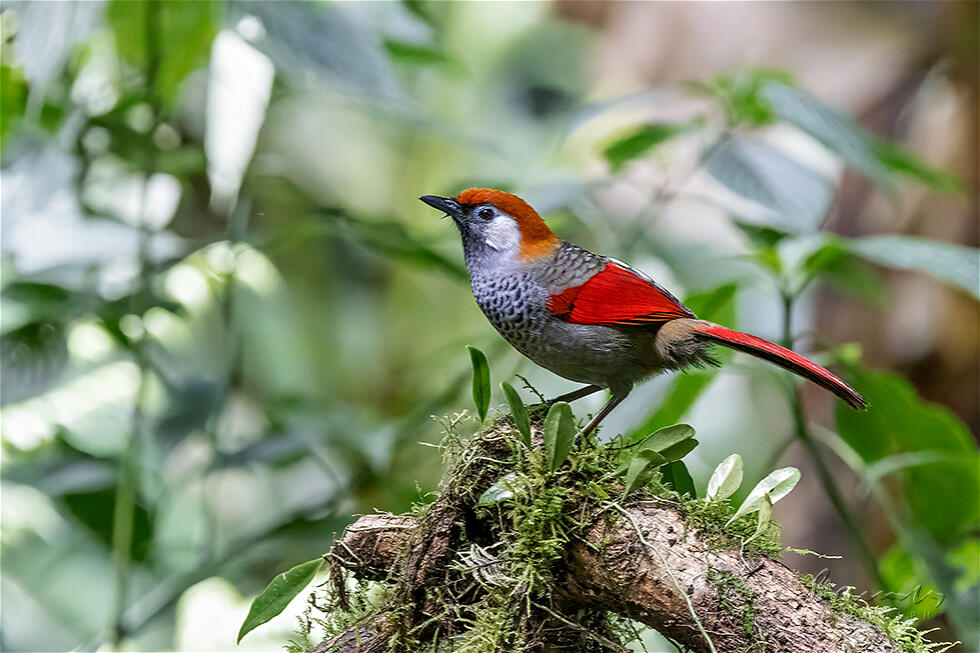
(486, 214)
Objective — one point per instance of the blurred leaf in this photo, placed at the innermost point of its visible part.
(13, 97)
(518, 411)
(641, 139)
(901, 461)
(419, 55)
(772, 488)
(797, 197)
(962, 604)
(900, 161)
(278, 593)
(726, 478)
(900, 422)
(640, 469)
(186, 31)
(182, 162)
(388, 237)
(674, 474)
(95, 510)
(318, 38)
(835, 263)
(760, 236)
(966, 556)
(559, 434)
(481, 381)
(741, 94)
(877, 158)
(904, 574)
(716, 305)
(63, 470)
(191, 403)
(593, 109)
(954, 264)
(839, 133)
(32, 360)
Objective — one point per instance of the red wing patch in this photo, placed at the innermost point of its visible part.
(616, 295)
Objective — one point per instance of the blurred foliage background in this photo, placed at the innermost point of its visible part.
(227, 320)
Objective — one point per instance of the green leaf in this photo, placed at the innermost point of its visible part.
(741, 94)
(772, 488)
(518, 411)
(797, 198)
(641, 468)
(675, 475)
(640, 140)
(679, 450)
(665, 438)
(765, 514)
(838, 133)
(761, 236)
(191, 26)
(559, 433)
(955, 264)
(278, 593)
(726, 478)
(13, 96)
(905, 574)
(835, 263)
(419, 55)
(877, 158)
(900, 161)
(481, 381)
(502, 490)
(900, 422)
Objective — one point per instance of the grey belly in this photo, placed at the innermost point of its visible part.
(586, 353)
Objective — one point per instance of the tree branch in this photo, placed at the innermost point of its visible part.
(639, 560)
(616, 567)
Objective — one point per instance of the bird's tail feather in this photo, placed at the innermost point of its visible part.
(780, 356)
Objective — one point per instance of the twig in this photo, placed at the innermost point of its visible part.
(802, 433)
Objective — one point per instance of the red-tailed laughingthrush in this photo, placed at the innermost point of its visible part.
(586, 317)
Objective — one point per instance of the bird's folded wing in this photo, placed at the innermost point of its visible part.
(617, 294)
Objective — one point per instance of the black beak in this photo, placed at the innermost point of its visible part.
(444, 204)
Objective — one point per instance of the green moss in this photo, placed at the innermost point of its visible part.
(902, 632)
(735, 598)
(710, 520)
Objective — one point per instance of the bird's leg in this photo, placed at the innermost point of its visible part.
(584, 391)
(614, 401)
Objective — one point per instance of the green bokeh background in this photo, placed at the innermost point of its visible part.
(227, 320)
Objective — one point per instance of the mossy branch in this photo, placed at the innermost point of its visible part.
(459, 577)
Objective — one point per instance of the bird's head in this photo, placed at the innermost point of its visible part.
(497, 224)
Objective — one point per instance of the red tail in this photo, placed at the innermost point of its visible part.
(783, 357)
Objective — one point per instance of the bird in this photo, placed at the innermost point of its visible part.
(586, 317)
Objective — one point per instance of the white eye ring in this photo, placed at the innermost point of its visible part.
(486, 213)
